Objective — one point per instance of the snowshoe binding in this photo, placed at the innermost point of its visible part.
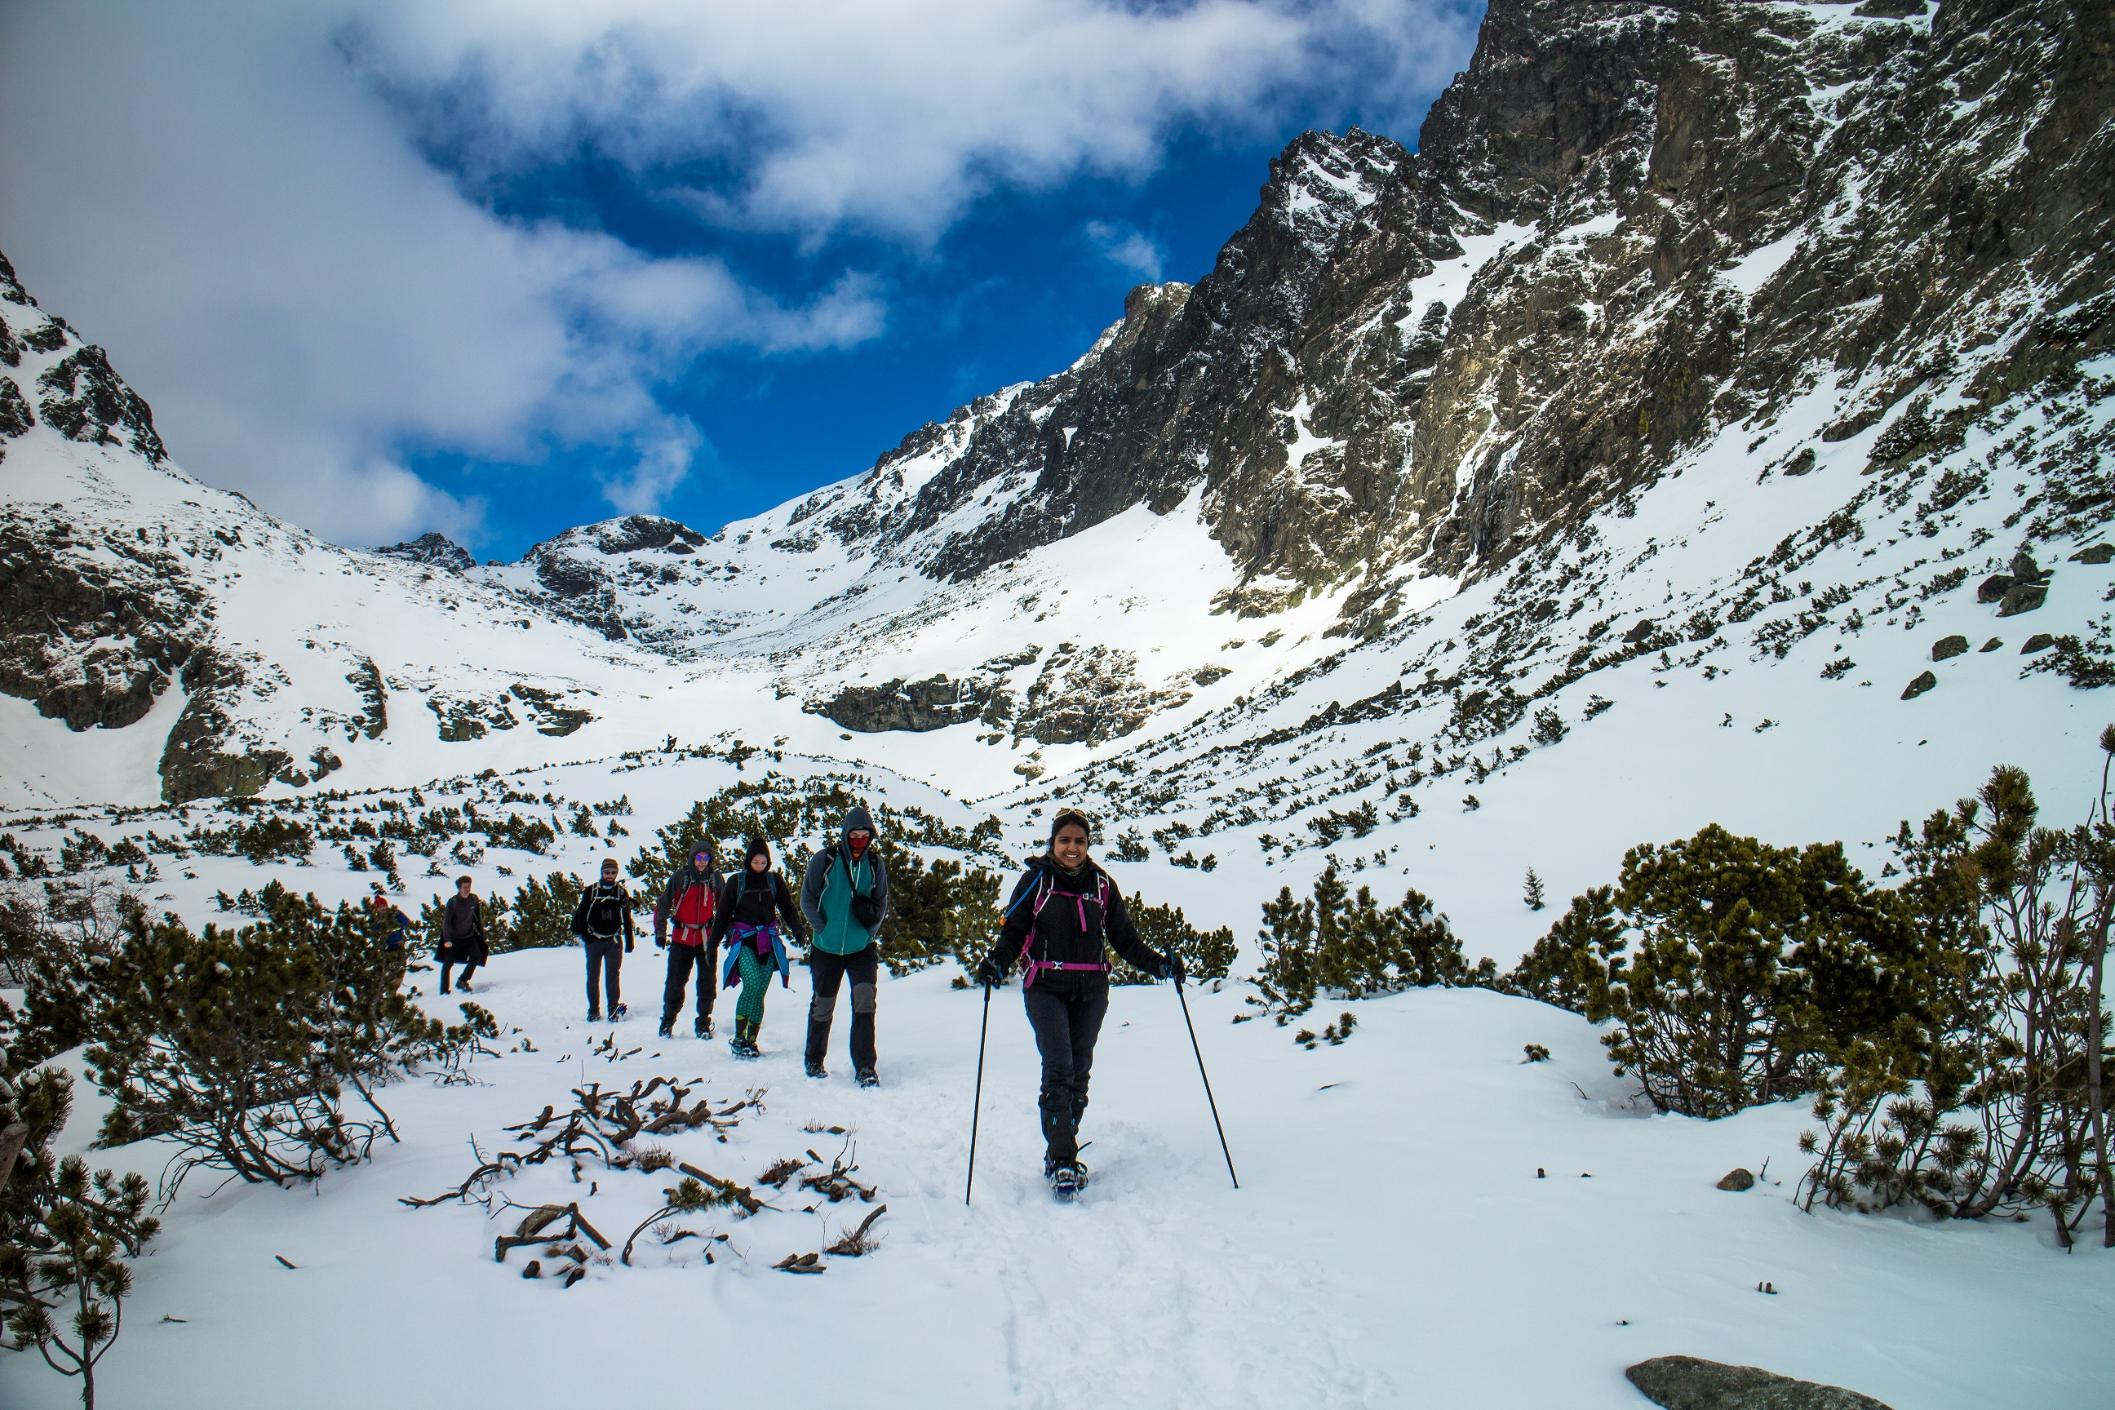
(666, 1030)
(1067, 1178)
(868, 1077)
(817, 1070)
(618, 1011)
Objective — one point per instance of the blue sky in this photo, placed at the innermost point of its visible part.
(500, 269)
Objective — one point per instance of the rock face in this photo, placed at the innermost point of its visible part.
(93, 628)
(435, 550)
(1627, 226)
(1691, 1383)
(933, 703)
(1948, 647)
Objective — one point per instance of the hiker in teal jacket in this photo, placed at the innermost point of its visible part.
(845, 899)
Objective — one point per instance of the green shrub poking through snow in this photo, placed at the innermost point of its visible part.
(1350, 946)
(1997, 1099)
(64, 1233)
(1734, 969)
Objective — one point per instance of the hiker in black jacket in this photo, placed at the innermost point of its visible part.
(462, 935)
(1062, 914)
(752, 904)
(603, 917)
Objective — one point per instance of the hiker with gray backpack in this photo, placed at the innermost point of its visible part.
(845, 898)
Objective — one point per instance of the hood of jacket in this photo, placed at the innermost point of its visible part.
(856, 820)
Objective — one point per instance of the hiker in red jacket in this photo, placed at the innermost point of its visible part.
(687, 903)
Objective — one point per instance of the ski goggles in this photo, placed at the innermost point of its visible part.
(704, 858)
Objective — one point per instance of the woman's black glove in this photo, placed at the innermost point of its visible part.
(987, 974)
(1171, 967)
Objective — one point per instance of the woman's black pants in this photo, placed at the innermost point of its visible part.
(1066, 1026)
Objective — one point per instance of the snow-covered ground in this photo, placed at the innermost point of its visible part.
(1391, 1242)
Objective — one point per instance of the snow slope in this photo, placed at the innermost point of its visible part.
(1391, 1242)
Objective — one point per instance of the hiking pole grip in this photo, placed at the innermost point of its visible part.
(977, 1102)
(1207, 1085)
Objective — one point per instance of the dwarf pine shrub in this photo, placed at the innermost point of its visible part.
(64, 1233)
(1350, 946)
(1734, 970)
(258, 1051)
(1997, 1100)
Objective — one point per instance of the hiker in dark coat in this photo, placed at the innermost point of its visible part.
(687, 903)
(845, 899)
(462, 936)
(602, 920)
(1064, 916)
(752, 903)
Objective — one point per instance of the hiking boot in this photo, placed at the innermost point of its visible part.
(703, 1027)
(1067, 1178)
(743, 1048)
(618, 1011)
(462, 986)
(594, 1015)
(868, 1077)
(816, 1069)
(667, 1029)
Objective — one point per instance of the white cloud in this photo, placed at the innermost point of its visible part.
(893, 117)
(235, 199)
(1127, 247)
(215, 195)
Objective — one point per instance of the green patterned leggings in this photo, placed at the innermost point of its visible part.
(756, 973)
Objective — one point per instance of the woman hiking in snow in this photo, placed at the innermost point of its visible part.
(845, 898)
(1062, 914)
(750, 907)
(462, 939)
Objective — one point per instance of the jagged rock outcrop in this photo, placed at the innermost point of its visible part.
(933, 703)
(208, 753)
(433, 550)
(93, 626)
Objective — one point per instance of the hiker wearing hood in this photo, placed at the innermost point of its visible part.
(1064, 916)
(688, 902)
(752, 903)
(845, 898)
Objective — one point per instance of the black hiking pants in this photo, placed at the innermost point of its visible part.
(604, 959)
(682, 959)
(469, 968)
(1065, 1025)
(828, 972)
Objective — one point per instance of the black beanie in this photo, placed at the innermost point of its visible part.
(758, 847)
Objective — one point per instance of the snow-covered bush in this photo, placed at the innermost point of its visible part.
(2000, 1102)
(1350, 946)
(1206, 954)
(244, 1047)
(1734, 970)
(64, 1233)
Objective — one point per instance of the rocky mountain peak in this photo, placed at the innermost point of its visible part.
(434, 550)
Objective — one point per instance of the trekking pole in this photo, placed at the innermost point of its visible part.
(977, 1103)
(1207, 1086)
